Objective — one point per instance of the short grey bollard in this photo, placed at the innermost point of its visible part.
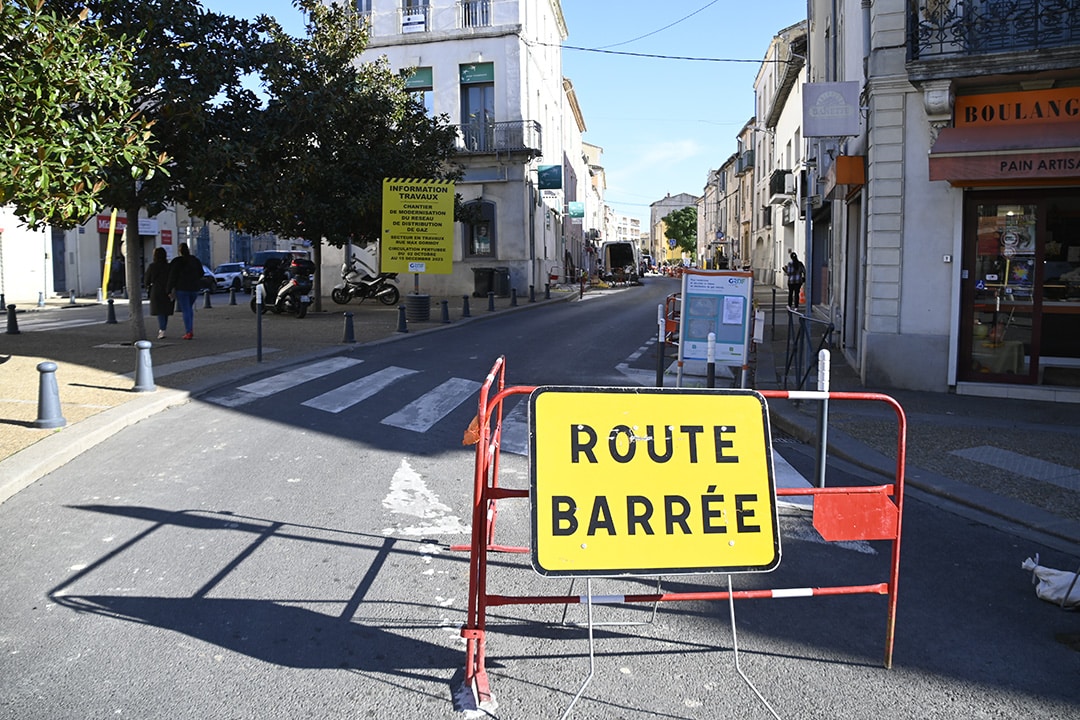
(445, 310)
(12, 322)
(48, 398)
(491, 301)
(465, 306)
(532, 293)
(206, 298)
(110, 319)
(513, 297)
(547, 291)
(41, 299)
(349, 337)
(144, 369)
(232, 296)
(71, 297)
(402, 323)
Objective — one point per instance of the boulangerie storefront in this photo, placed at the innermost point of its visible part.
(1017, 157)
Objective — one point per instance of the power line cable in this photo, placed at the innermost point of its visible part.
(654, 32)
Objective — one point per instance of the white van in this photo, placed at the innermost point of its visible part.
(620, 262)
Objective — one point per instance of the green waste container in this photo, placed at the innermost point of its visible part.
(483, 278)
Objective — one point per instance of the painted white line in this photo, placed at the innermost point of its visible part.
(1060, 475)
(290, 378)
(421, 414)
(409, 495)
(788, 477)
(515, 429)
(357, 391)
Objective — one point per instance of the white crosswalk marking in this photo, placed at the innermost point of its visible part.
(349, 394)
(515, 430)
(421, 414)
(283, 381)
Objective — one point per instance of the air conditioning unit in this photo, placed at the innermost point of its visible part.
(789, 184)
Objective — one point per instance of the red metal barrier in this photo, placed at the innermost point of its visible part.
(840, 514)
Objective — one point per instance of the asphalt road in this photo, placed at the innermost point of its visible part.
(265, 553)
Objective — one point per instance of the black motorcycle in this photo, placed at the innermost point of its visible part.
(359, 284)
(286, 286)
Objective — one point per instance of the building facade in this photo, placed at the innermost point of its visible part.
(495, 68)
(946, 250)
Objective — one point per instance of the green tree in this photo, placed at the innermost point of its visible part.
(681, 226)
(66, 112)
(312, 159)
(188, 62)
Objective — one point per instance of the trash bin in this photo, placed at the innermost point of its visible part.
(502, 282)
(482, 281)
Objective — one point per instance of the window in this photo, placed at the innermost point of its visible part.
(475, 13)
(419, 84)
(478, 105)
(479, 229)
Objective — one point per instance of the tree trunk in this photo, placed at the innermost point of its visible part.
(133, 279)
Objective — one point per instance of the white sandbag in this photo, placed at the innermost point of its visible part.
(1057, 586)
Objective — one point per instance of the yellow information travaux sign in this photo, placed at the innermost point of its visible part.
(417, 226)
(648, 481)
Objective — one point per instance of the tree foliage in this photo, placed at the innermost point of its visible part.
(66, 112)
(311, 161)
(681, 226)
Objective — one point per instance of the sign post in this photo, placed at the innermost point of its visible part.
(651, 481)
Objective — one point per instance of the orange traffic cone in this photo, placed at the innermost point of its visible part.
(802, 296)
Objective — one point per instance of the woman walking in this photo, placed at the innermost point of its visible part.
(157, 287)
(185, 280)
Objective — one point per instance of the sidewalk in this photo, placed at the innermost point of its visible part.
(1017, 462)
(95, 365)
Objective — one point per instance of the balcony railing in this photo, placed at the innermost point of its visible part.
(511, 137)
(474, 13)
(950, 28)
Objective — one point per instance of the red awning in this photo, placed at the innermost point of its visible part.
(1000, 153)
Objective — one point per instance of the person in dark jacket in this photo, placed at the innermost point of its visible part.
(157, 287)
(185, 281)
(796, 276)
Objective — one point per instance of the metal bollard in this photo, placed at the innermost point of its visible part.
(491, 300)
(402, 325)
(349, 337)
(206, 298)
(547, 291)
(232, 296)
(144, 369)
(513, 297)
(110, 319)
(71, 297)
(445, 310)
(41, 299)
(532, 293)
(465, 306)
(12, 323)
(48, 397)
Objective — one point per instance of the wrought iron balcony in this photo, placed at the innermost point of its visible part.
(943, 29)
(514, 137)
(781, 187)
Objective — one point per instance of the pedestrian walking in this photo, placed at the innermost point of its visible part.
(185, 281)
(796, 276)
(157, 288)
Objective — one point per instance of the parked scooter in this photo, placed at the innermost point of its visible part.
(286, 288)
(360, 283)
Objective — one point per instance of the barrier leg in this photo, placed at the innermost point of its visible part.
(144, 369)
(48, 397)
(12, 322)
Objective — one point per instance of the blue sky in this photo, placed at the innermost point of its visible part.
(663, 123)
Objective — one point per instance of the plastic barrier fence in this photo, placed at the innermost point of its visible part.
(839, 514)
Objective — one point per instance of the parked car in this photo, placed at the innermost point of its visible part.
(254, 269)
(229, 276)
